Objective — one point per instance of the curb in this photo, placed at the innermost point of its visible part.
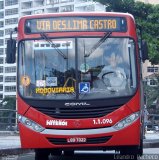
(17, 151)
(151, 145)
(9, 133)
(14, 151)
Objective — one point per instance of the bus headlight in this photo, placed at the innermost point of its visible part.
(30, 124)
(126, 121)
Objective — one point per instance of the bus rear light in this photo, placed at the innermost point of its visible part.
(126, 121)
(30, 124)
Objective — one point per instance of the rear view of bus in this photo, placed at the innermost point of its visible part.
(78, 83)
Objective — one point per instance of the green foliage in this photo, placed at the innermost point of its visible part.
(9, 103)
(151, 94)
(146, 15)
(7, 114)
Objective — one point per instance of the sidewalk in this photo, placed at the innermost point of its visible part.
(152, 140)
(10, 144)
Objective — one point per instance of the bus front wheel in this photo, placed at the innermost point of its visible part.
(41, 154)
(131, 152)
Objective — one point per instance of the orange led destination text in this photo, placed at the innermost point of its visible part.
(67, 25)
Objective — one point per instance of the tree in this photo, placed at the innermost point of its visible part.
(9, 103)
(8, 113)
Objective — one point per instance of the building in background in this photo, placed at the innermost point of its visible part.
(149, 1)
(9, 14)
(150, 73)
(54, 6)
(149, 69)
(12, 10)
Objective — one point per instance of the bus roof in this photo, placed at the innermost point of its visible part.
(79, 14)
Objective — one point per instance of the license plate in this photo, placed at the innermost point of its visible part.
(76, 140)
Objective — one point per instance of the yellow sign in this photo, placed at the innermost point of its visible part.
(54, 90)
(25, 81)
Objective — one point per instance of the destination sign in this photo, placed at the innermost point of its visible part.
(76, 24)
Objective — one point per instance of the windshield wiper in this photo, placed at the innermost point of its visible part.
(44, 36)
(98, 43)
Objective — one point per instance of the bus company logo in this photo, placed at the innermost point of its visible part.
(77, 104)
(56, 123)
(77, 123)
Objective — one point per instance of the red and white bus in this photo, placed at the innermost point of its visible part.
(79, 83)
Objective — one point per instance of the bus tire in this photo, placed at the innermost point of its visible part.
(41, 154)
(131, 152)
(56, 152)
(140, 150)
(69, 152)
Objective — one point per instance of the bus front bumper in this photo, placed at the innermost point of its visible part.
(81, 138)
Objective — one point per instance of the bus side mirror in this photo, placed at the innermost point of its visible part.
(11, 51)
(144, 50)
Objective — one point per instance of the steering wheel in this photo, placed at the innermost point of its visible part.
(105, 80)
(113, 79)
(107, 73)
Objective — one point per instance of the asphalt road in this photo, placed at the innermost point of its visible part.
(149, 154)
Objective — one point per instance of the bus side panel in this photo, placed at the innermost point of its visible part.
(22, 107)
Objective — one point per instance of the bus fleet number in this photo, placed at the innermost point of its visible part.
(102, 121)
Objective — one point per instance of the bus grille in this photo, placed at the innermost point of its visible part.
(74, 113)
(63, 141)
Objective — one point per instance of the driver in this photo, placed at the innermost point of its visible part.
(112, 75)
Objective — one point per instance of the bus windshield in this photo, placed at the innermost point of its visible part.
(76, 68)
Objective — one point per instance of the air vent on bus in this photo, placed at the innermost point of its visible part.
(80, 112)
(63, 141)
